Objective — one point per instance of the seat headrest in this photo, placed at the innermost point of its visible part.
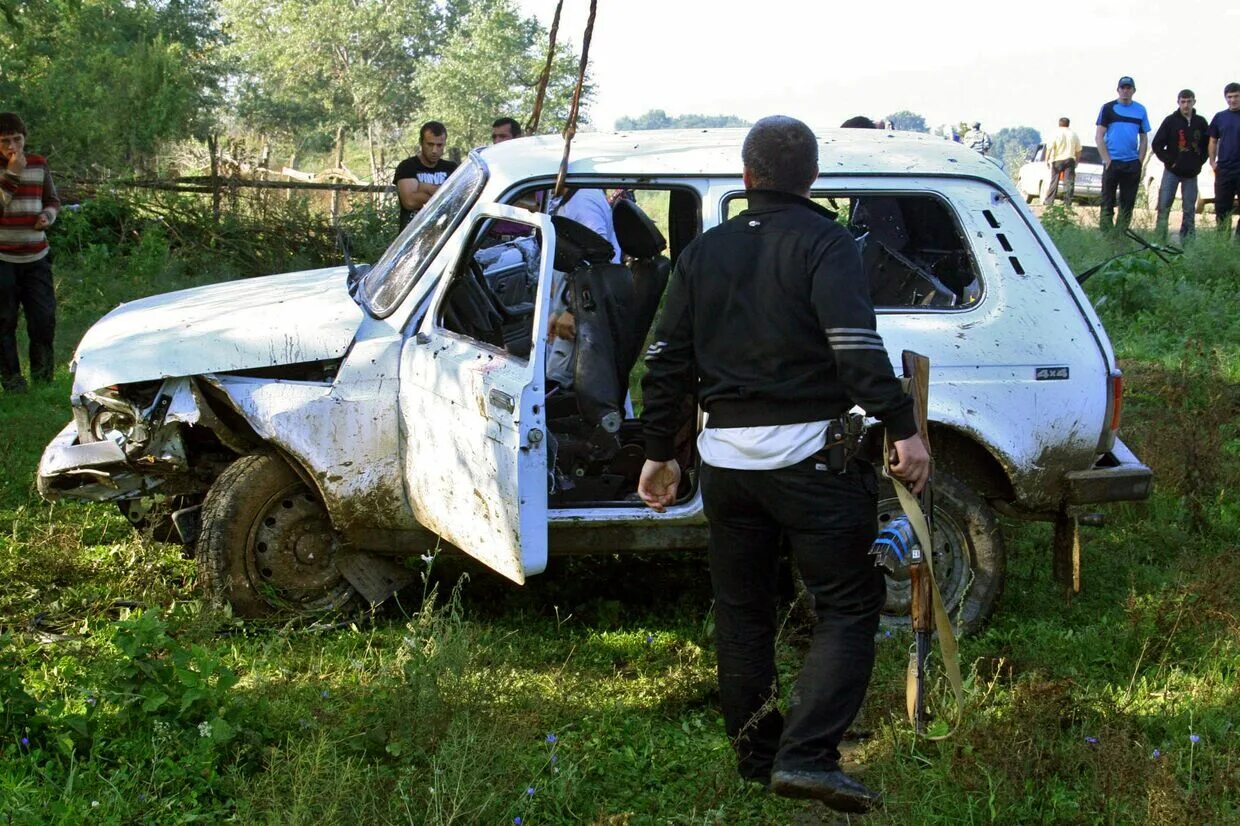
(576, 243)
(635, 232)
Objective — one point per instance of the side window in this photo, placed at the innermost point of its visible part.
(913, 251)
(494, 287)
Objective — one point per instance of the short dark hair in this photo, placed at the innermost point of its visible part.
(434, 127)
(1231, 87)
(11, 123)
(859, 122)
(511, 123)
(1186, 93)
(1065, 122)
(781, 153)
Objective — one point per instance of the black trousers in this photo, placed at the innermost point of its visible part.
(29, 287)
(1126, 177)
(1226, 189)
(829, 521)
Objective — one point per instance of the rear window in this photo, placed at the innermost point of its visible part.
(913, 250)
(1089, 154)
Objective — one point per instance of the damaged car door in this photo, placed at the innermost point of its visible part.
(472, 400)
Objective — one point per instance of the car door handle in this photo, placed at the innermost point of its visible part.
(501, 399)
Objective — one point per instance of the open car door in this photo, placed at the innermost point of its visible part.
(472, 407)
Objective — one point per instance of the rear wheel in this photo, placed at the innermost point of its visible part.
(969, 556)
(267, 544)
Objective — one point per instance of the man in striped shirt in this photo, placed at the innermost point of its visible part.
(28, 206)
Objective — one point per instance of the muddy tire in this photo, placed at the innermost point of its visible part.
(267, 546)
(969, 556)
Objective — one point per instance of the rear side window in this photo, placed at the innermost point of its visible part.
(913, 250)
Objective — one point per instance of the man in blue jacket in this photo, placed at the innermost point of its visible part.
(1180, 143)
(1123, 127)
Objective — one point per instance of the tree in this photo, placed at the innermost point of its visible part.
(1011, 145)
(324, 64)
(658, 119)
(489, 68)
(906, 121)
(104, 83)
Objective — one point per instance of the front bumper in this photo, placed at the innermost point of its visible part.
(1118, 476)
(97, 471)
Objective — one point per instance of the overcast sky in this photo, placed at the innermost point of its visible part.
(1005, 64)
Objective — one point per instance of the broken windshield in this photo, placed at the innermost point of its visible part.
(391, 279)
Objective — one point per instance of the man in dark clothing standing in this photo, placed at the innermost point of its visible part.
(1123, 127)
(768, 323)
(418, 177)
(28, 206)
(1180, 143)
(1225, 157)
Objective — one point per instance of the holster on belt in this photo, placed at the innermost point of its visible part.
(842, 443)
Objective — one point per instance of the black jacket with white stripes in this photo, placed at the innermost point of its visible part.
(768, 320)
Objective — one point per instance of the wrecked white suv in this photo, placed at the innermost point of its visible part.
(302, 433)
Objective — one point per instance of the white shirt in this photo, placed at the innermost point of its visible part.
(766, 447)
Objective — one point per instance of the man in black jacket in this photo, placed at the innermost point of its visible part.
(768, 323)
(1181, 143)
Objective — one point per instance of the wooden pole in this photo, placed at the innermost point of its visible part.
(570, 128)
(532, 126)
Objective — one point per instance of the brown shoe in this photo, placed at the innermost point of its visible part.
(834, 788)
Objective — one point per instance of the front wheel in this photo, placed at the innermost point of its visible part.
(969, 556)
(267, 544)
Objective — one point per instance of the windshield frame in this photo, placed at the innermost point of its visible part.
(403, 265)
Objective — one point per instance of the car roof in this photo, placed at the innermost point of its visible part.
(717, 152)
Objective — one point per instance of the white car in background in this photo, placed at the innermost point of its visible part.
(1035, 173)
(1153, 182)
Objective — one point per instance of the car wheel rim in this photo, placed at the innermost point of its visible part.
(291, 554)
(952, 557)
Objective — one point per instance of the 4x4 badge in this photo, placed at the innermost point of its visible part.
(1050, 373)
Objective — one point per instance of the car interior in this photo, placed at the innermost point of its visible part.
(913, 252)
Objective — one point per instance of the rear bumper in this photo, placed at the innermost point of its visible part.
(1118, 476)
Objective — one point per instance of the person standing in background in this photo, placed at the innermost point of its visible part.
(418, 177)
(1181, 144)
(1063, 153)
(28, 206)
(1224, 154)
(1122, 137)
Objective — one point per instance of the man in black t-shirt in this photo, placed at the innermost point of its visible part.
(418, 177)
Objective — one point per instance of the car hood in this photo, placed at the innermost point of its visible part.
(238, 325)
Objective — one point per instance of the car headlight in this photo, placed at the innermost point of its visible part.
(118, 421)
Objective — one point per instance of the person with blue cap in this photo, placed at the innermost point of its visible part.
(1123, 138)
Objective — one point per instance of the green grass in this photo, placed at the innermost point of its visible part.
(594, 684)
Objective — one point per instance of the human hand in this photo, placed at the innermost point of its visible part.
(911, 463)
(17, 162)
(45, 220)
(1214, 164)
(658, 483)
(562, 325)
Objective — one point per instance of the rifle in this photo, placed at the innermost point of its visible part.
(928, 613)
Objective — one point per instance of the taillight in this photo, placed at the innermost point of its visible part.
(1117, 399)
(1114, 409)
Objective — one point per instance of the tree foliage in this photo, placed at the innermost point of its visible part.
(659, 119)
(104, 83)
(1012, 144)
(906, 121)
(489, 68)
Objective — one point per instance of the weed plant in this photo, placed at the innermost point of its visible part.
(588, 695)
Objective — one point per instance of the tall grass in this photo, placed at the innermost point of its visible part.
(588, 696)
